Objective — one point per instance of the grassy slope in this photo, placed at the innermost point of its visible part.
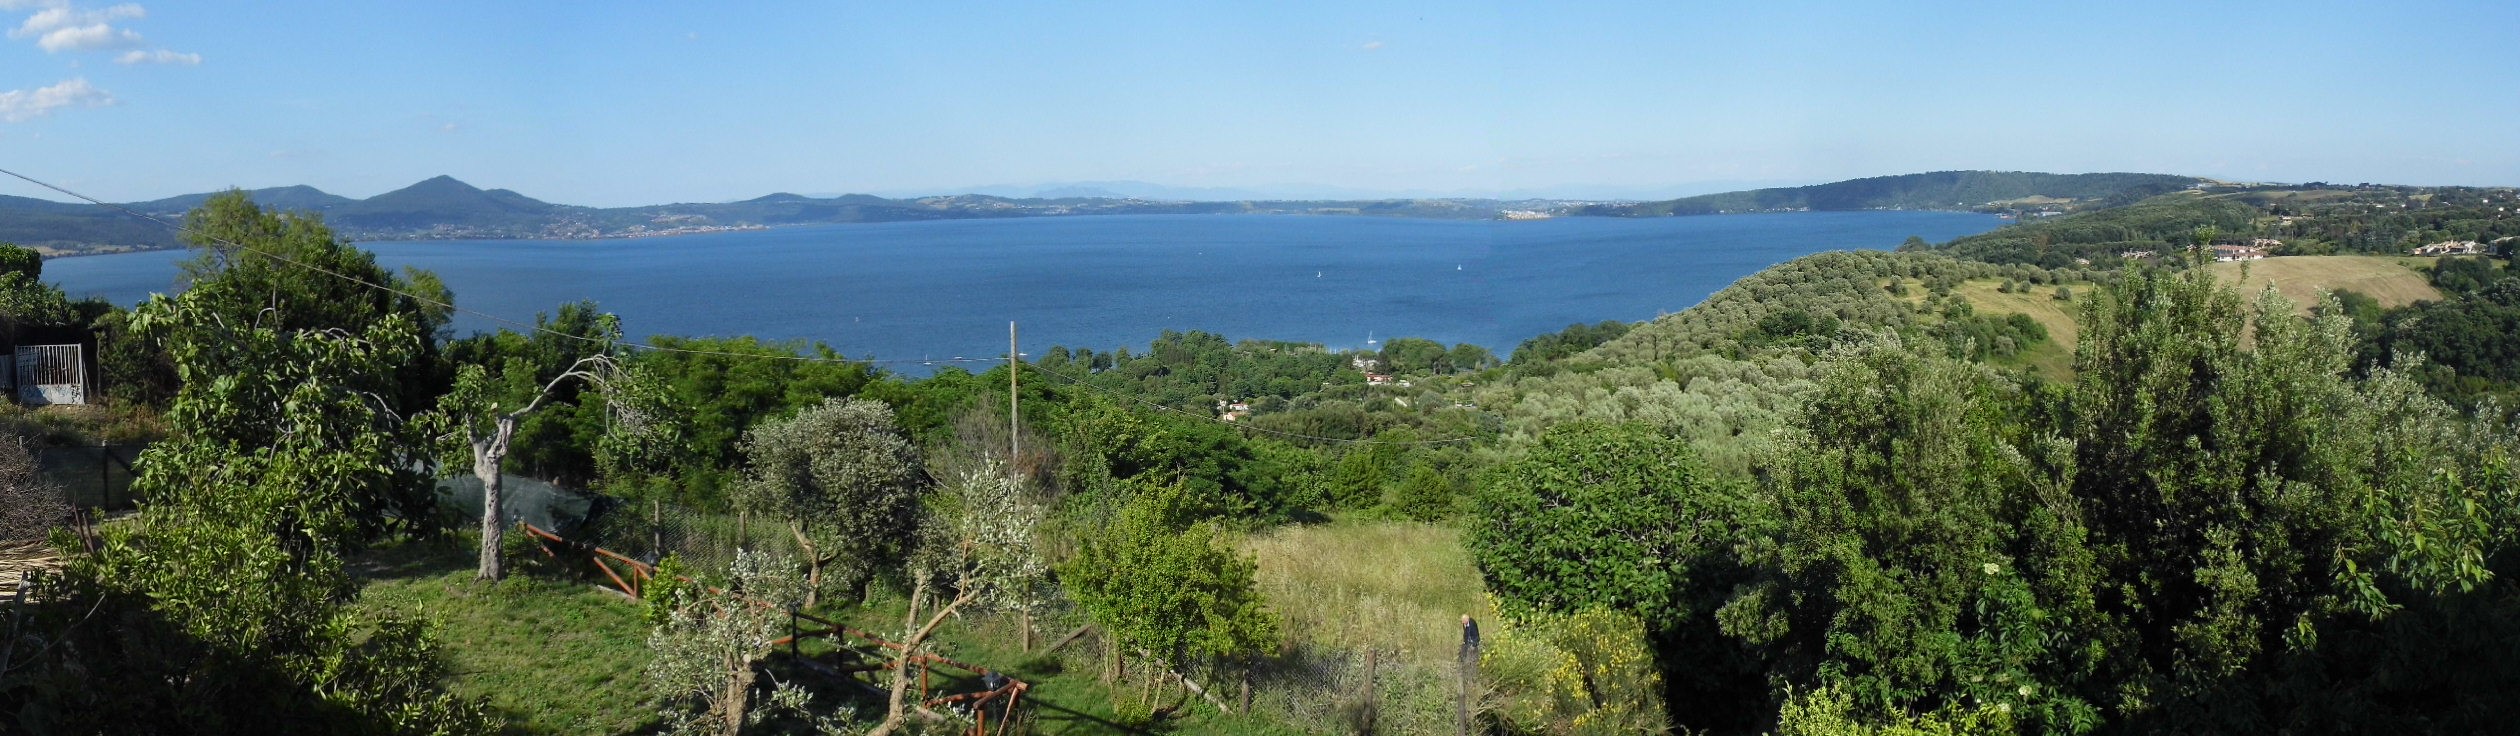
(553, 656)
(2054, 358)
(2391, 280)
(1396, 585)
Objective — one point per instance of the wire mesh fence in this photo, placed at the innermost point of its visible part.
(1307, 687)
(94, 476)
(704, 540)
(1357, 690)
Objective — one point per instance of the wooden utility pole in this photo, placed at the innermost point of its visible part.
(1014, 425)
(1015, 446)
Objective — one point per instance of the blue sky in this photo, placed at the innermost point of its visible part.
(634, 103)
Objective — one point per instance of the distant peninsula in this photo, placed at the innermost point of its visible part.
(443, 208)
(1939, 190)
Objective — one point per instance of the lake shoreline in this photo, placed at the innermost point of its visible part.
(933, 289)
(54, 253)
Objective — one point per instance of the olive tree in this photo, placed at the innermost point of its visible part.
(707, 649)
(478, 418)
(979, 540)
(844, 479)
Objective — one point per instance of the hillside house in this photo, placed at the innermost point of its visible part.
(2451, 248)
(2225, 253)
(1232, 410)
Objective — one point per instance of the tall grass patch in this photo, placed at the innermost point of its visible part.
(1393, 585)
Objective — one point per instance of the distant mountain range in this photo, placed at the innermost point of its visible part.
(444, 208)
(1126, 189)
(1939, 190)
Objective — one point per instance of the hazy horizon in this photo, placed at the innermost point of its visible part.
(644, 105)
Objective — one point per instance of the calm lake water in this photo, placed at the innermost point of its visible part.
(935, 290)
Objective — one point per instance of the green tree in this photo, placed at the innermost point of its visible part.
(1920, 551)
(1425, 496)
(979, 539)
(719, 387)
(2245, 496)
(480, 415)
(227, 598)
(1414, 355)
(844, 479)
(1166, 588)
(708, 649)
(1609, 516)
(288, 271)
(21, 261)
(1623, 518)
(1576, 338)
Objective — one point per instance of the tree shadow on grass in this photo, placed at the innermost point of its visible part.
(419, 558)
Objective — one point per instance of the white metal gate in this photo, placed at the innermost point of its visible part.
(51, 374)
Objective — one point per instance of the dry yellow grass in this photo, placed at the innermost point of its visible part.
(2299, 278)
(1397, 585)
(2054, 358)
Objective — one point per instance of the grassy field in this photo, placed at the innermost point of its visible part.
(2394, 281)
(2054, 358)
(553, 656)
(1395, 585)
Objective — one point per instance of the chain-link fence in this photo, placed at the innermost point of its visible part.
(1310, 688)
(648, 531)
(1358, 690)
(93, 477)
(704, 540)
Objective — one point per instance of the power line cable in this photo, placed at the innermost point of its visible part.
(1238, 425)
(424, 299)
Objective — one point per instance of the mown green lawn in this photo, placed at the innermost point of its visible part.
(553, 656)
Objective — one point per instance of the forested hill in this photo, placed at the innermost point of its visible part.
(1939, 190)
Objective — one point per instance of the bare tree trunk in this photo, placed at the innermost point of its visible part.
(738, 696)
(895, 713)
(487, 452)
(814, 568)
(901, 665)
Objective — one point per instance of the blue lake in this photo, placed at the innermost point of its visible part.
(936, 290)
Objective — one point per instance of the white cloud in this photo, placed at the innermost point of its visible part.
(91, 37)
(1372, 46)
(159, 56)
(56, 16)
(59, 26)
(19, 105)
